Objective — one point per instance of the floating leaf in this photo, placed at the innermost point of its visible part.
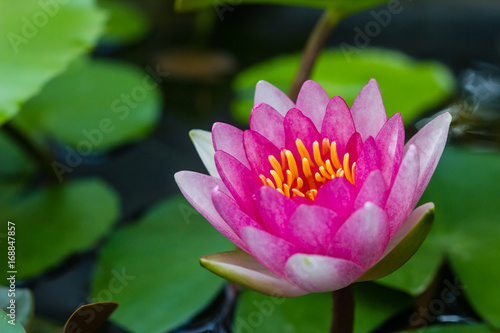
(157, 259)
(94, 106)
(53, 223)
(466, 231)
(6, 327)
(126, 23)
(28, 27)
(408, 86)
(344, 6)
(23, 302)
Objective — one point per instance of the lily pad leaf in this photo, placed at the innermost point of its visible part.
(23, 303)
(95, 105)
(344, 6)
(407, 247)
(408, 86)
(28, 27)
(56, 222)
(465, 232)
(90, 317)
(312, 313)
(9, 325)
(161, 251)
(126, 23)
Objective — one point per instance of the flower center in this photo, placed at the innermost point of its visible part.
(305, 179)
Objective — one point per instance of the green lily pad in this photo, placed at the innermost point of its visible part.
(466, 231)
(344, 6)
(16, 169)
(23, 302)
(158, 261)
(312, 313)
(408, 86)
(52, 223)
(40, 39)
(6, 327)
(126, 23)
(94, 106)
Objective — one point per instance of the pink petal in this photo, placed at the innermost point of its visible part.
(258, 149)
(269, 250)
(197, 189)
(414, 218)
(316, 273)
(269, 94)
(337, 195)
(298, 126)
(229, 139)
(367, 162)
(363, 237)
(338, 125)
(390, 143)
(399, 203)
(312, 101)
(373, 190)
(368, 111)
(239, 181)
(354, 147)
(313, 227)
(243, 269)
(275, 210)
(231, 212)
(266, 121)
(430, 142)
(202, 141)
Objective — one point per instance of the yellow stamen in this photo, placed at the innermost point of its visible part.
(270, 183)
(347, 170)
(276, 166)
(300, 183)
(318, 178)
(340, 173)
(306, 168)
(307, 172)
(277, 179)
(317, 154)
(263, 179)
(303, 151)
(291, 163)
(353, 171)
(280, 190)
(326, 146)
(324, 173)
(289, 178)
(297, 192)
(286, 188)
(329, 168)
(334, 156)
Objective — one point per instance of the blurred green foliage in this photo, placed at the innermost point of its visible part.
(408, 86)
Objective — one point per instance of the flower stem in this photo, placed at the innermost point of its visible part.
(315, 44)
(343, 310)
(42, 160)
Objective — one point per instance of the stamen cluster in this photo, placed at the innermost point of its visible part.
(290, 180)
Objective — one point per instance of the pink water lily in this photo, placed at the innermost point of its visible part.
(315, 195)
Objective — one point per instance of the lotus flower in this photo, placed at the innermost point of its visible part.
(315, 195)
